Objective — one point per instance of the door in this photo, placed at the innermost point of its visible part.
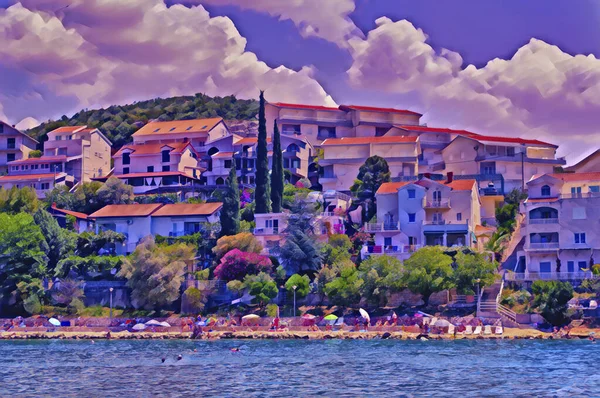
(570, 266)
(546, 267)
(275, 226)
(576, 192)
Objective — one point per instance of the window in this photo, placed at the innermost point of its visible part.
(595, 188)
(326, 132)
(412, 217)
(458, 216)
(166, 156)
(126, 159)
(570, 266)
(251, 180)
(150, 169)
(582, 265)
(546, 190)
(510, 151)
(228, 163)
(268, 223)
(576, 192)
(10, 143)
(380, 131)
(545, 266)
(10, 157)
(58, 137)
(387, 241)
(290, 129)
(580, 237)
(45, 185)
(412, 193)
(69, 137)
(125, 170)
(292, 148)
(488, 168)
(579, 213)
(166, 168)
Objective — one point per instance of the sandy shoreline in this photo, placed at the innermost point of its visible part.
(509, 333)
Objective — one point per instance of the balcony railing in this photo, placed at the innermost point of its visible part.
(543, 220)
(436, 204)
(434, 222)
(266, 231)
(546, 245)
(381, 227)
(393, 249)
(561, 276)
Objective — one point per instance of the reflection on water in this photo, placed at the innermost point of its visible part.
(299, 368)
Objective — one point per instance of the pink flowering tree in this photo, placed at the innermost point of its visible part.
(236, 264)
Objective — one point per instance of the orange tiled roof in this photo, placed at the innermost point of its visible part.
(593, 176)
(541, 200)
(368, 140)
(375, 109)
(179, 126)
(427, 129)
(302, 106)
(133, 210)
(151, 174)
(391, 187)
(67, 129)
(249, 141)
(27, 177)
(43, 159)
(480, 229)
(461, 185)
(223, 155)
(188, 209)
(152, 149)
(75, 214)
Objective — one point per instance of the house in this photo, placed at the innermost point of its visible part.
(561, 227)
(588, 164)
(342, 158)
(157, 167)
(71, 155)
(136, 221)
(82, 223)
(195, 131)
(412, 214)
(14, 145)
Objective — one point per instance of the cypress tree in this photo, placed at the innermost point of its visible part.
(277, 172)
(230, 213)
(261, 195)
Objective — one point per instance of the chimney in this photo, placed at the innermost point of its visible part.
(449, 177)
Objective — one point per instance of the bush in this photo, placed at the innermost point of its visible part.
(551, 299)
(237, 264)
(272, 310)
(196, 300)
(302, 284)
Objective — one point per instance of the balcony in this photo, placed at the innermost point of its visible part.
(537, 221)
(436, 204)
(442, 226)
(560, 276)
(542, 246)
(382, 227)
(266, 231)
(390, 250)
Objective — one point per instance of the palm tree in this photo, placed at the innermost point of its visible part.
(497, 244)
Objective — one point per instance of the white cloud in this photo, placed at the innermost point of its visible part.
(541, 92)
(109, 51)
(327, 19)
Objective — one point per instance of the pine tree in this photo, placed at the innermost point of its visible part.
(230, 213)
(277, 172)
(261, 195)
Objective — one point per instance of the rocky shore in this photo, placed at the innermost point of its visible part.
(509, 334)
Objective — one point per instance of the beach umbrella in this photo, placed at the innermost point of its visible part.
(165, 324)
(54, 321)
(309, 317)
(153, 322)
(330, 317)
(250, 317)
(442, 323)
(139, 326)
(364, 314)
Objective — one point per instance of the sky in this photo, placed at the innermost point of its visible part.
(512, 67)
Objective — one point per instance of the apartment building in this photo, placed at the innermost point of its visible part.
(561, 227)
(71, 155)
(156, 167)
(424, 212)
(342, 158)
(588, 164)
(14, 145)
(136, 221)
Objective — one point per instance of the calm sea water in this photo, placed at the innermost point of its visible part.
(299, 368)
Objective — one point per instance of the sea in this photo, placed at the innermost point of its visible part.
(299, 368)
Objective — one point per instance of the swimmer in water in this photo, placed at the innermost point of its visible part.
(93, 342)
(163, 360)
(179, 357)
(235, 349)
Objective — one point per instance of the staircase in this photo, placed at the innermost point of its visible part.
(515, 243)
(489, 305)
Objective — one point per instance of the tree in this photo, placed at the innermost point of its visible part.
(336, 249)
(551, 298)
(60, 241)
(374, 172)
(236, 264)
(382, 275)
(155, 273)
(60, 196)
(428, 271)
(90, 243)
(85, 199)
(262, 287)
(497, 243)
(506, 215)
(473, 269)
(22, 262)
(114, 192)
(345, 289)
(17, 200)
(302, 283)
(277, 177)
(261, 196)
(68, 293)
(301, 252)
(36, 153)
(230, 213)
(244, 241)
(83, 266)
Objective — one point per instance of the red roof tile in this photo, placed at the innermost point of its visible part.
(375, 109)
(179, 126)
(461, 185)
(426, 129)
(368, 140)
(303, 106)
(67, 129)
(133, 210)
(153, 149)
(249, 141)
(75, 214)
(188, 209)
(512, 140)
(391, 187)
(28, 177)
(541, 200)
(43, 159)
(593, 176)
(152, 174)
(226, 155)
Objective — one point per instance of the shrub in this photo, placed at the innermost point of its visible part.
(272, 310)
(237, 264)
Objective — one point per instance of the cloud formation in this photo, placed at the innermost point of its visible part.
(326, 19)
(101, 52)
(540, 92)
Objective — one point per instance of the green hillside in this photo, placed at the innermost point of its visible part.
(119, 122)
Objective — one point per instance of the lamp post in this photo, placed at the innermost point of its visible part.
(478, 307)
(294, 287)
(111, 294)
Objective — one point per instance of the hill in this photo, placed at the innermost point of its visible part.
(119, 122)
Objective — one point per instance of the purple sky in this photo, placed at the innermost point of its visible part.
(56, 60)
